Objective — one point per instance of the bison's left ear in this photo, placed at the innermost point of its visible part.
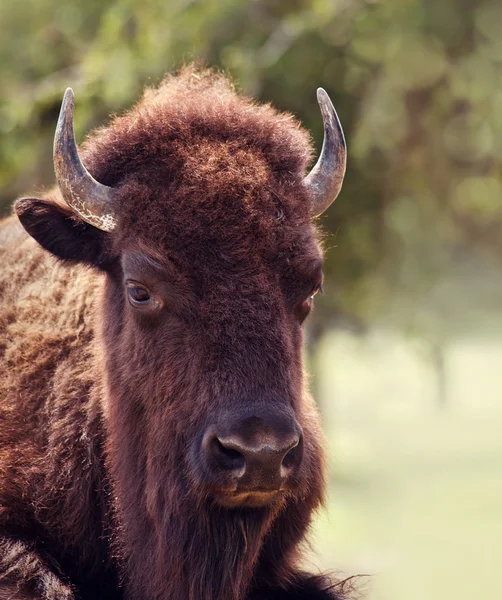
(61, 232)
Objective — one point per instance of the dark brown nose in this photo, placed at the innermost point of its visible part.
(254, 455)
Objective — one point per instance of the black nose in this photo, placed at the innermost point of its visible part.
(254, 454)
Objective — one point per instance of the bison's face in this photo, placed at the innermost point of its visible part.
(201, 320)
(203, 349)
(211, 264)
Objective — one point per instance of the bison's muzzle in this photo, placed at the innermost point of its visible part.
(251, 461)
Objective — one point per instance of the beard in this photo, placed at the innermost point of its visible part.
(199, 551)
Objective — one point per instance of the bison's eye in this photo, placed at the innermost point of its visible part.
(306, 306)
(137, 294)
(318, 288)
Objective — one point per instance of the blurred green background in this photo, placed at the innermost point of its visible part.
(405, 347)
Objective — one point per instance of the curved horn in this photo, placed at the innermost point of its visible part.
(325, 180)
(91, 200)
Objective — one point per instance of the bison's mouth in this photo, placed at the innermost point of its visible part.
(248, 498)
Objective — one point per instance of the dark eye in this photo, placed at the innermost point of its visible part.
(306, 306)
(138, 295)
(318, 288)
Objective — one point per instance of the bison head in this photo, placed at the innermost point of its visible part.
(202, 228)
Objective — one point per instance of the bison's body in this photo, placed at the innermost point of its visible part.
(105, 491)
(53, 491)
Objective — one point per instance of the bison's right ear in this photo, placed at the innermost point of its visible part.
(61, 232)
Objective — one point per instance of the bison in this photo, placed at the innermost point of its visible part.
(157, 441)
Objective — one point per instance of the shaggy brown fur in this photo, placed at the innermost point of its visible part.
(101, 493)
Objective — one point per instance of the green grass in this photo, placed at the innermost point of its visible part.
(415, 493)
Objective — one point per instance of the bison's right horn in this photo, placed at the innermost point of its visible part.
(91, 200)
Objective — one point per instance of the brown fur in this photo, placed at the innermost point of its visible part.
(100, 493)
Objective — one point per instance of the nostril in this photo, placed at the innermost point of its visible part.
(228, 458)
(289, 460)
(228, 452)
(293, 455)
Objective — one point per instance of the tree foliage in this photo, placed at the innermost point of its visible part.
(418, 86)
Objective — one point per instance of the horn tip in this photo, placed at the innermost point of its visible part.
(322, 95)
(69, 98)
(324, 101)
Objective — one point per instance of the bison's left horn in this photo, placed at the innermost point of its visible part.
(325, 180)
(91, 200)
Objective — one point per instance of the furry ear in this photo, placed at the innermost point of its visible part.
(61, 232)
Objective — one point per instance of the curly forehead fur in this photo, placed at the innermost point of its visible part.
(199, 163)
